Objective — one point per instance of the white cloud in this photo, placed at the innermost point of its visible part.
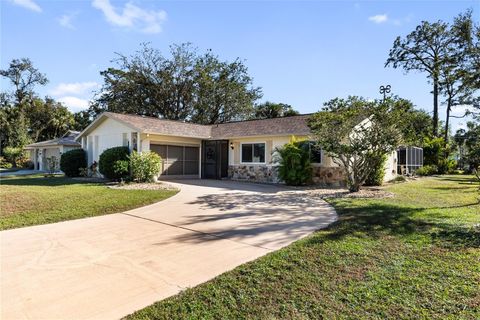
(460, 110)
(133, 17)
(66, 21)
(379, 18)
(28, 4)
(76, 88)
(73, 103)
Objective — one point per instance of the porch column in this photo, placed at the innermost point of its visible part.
(146, 143)
(35, 159)
(200, 161)
(139, 143)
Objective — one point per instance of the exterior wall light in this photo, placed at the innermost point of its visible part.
(231, 145)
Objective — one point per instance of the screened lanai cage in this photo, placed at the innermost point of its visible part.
(409, 159)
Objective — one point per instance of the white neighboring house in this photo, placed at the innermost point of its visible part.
(41, 151)
(241, 150)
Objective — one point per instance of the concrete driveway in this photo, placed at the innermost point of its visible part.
(109, 266)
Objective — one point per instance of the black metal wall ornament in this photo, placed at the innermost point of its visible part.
(384, 90)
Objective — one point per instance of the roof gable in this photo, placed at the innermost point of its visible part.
(68, 139)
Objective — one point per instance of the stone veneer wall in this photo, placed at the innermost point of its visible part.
(329, 176)
(324, 176)
(254, 173)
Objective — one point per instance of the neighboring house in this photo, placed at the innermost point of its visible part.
(240, 150)
(41, 151)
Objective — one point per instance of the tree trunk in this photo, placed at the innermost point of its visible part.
(435, 106)
(354, 187)
(447, 120)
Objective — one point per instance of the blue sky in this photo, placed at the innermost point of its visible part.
(300, 52)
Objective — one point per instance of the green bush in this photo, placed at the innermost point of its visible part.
(145, 166)
(71, 162)
(399, 179)
(375, 178)
(13, 155)
(108, 159)
(433, 151)
(121, 168)
(4, 163)
(427, 170)
(295, 168)
(25, 163)
(446, 166)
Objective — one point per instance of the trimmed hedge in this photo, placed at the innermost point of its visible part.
(107, 162)
(71, 162)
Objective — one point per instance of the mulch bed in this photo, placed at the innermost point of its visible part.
(365, 192)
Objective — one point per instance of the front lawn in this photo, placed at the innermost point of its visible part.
(414, 256)
(31, 200)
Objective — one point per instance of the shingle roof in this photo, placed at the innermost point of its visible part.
(294, 125)
(67, 140)
(162, 126)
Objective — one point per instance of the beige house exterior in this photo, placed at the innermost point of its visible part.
(41, 152)
(243, 150)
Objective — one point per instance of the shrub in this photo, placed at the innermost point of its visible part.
(121, 168)
(427, 170)
(25, 163)
(446, 166)
(4, 163)
(375, 178)
(398, 179)
(52, 165)
(13, 154)
(295, 168)
(433, 151)
(108, 159)
(145, 166)
(71, 162)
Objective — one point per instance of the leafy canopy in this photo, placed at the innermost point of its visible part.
(447, 53)
(185, 86)
(268, 110)
(357, 133)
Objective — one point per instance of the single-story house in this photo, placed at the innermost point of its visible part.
(41, 151)
(241, 150)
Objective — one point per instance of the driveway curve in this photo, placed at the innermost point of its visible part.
(109, 266)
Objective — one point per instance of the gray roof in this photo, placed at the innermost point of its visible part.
(67, 140)
(294, 125)
(162, 126)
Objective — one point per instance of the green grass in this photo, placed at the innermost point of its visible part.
(414, 256)
(32, 200)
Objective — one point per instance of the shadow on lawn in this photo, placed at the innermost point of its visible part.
(378, 220)
(39, 181)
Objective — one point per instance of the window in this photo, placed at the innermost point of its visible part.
(314, 150)
(253, 152)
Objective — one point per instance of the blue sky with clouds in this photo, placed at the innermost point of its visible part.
(300, 52)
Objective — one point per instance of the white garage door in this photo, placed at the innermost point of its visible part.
(178, 160)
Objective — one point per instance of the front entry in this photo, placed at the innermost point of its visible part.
(215, 159)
